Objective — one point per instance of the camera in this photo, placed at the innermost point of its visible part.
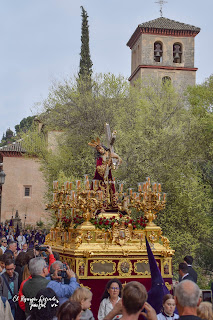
(63, 272)
(41, 248)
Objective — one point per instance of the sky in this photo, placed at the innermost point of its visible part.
(40, 44)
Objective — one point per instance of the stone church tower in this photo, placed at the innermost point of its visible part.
(164, 49)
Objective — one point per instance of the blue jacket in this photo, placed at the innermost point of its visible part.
(63, 291)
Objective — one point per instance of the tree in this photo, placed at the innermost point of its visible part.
(8, 138)
(85, 71)
(157, 137)
(24, 125)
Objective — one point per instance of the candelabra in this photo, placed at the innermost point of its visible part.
(149, 199)
(86, 200)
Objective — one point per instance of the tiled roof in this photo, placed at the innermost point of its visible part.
(15, 146)
(164, 23)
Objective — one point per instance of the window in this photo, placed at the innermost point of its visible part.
(177, 53)
(27, 191)
(166, 80)
(158, 52)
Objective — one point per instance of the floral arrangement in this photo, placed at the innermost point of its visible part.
(104, 223)
(65, 221)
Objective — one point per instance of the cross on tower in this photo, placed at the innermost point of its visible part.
(161, 3)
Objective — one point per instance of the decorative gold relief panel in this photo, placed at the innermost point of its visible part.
(102, 267)
(142, 267)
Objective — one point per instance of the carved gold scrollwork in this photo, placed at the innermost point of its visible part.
(124, 268)
(152, 237)
(169, 287)
(142, 265)
(166, 242)
(81, 268)
(102, 267)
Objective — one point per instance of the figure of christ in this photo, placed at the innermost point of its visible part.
(103, 172)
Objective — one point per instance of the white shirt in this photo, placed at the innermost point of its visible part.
(161, 316)
(105, 308)
(21, 240)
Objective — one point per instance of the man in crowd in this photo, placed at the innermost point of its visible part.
(38, 270)
(24, 247)
(63, 291)
(12, 249)
(187, 298)
(3, 245)
(27, 236)
(9, 283)
(189, 260)
(183, 272)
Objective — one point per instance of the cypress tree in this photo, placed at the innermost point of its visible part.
(85, 71)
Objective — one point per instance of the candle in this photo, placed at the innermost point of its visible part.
(54, 196)
(159, 187)
(95, 184)
(164, 197)
(78, 184)
(148, 179)
(72, 212)
(139, 187)
(144, 186)
(55, 185)
(100, 194)
(121, 187)
(70, 186)
(134, 195)
(88, 194)
(66, 185)
(72, 195)
(154, 185)
(86, 176)
(87, 184)
(130, 191)
(159, 196)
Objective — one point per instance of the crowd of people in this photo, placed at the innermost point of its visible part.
(35, 284)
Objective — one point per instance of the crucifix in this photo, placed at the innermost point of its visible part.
(161, 3)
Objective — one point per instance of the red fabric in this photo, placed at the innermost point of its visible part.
(20, 294)
(97, 176)
(51, 260)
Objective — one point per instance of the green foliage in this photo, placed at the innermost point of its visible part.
(24, 125)
(8, 138)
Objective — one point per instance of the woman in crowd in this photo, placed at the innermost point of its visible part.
(168, 309)
(69, 310)
(110, 297)
(20, 263)
(204, 311)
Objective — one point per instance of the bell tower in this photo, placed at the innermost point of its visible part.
(163, 49)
